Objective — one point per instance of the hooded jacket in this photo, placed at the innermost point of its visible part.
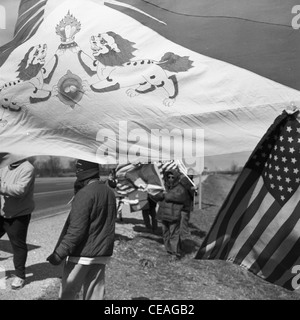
(90, 228)
(175, 199)
(16, 189)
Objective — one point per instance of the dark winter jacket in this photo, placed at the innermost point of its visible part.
(90, 228)
(175, 200)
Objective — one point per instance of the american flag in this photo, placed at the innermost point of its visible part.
(135, 181)
(258, 225)
(133, 176)
(165, 166)
(124, 185)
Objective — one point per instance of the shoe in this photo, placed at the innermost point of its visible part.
(17, 283)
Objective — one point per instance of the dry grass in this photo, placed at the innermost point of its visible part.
(141, 269)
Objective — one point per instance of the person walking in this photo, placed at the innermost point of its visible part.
(87, 239)
(17, 204)
(173, 201)
(150, 213)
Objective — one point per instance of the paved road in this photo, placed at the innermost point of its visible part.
(52, 196)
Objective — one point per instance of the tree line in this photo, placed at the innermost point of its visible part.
(53, 167)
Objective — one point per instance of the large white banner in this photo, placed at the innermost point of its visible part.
(83, 79)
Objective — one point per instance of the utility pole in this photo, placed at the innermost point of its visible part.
(197, 180)
(2, 17)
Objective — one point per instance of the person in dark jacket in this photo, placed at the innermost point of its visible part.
(87, 239)
(175, 200)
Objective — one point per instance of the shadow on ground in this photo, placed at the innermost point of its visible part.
(5, 246)
(130, 220)
(40, 271)
(189, 246)
(121, 237)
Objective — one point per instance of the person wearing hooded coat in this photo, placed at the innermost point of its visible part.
(171, 205)
(87, 239)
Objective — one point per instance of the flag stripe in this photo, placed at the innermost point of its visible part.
(132, 178)
(272, 229)
(219, 221)
(285, 229)
(243, 204)
(259, 225)
(278, 256)
(286, 279)
(280, 272)
(244, 219)
(283, 248)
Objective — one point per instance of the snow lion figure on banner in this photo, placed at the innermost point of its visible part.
(15, 93)
(115, 69)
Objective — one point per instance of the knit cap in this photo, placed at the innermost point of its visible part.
(86, 169)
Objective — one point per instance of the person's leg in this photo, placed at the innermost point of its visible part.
(2, 230)
(175, 241)
(16, 229)
(184, 225)
(146, 219)
(119, 208)
(94, 284)
(166, 235)
(72, 280)
(152, 213)
(154, 224)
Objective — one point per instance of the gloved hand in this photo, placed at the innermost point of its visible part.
(54, 259)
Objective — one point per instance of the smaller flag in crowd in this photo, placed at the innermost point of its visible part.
(124, 185)
(164, 166)
(136, 181)
(258, 225)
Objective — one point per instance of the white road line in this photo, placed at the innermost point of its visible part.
(51, 192)
(50, 215)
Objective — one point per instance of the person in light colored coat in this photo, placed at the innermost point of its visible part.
(17, 204)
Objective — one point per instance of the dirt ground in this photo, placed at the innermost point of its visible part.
(140, 268)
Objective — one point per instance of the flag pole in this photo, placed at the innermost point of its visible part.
(200, 192)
